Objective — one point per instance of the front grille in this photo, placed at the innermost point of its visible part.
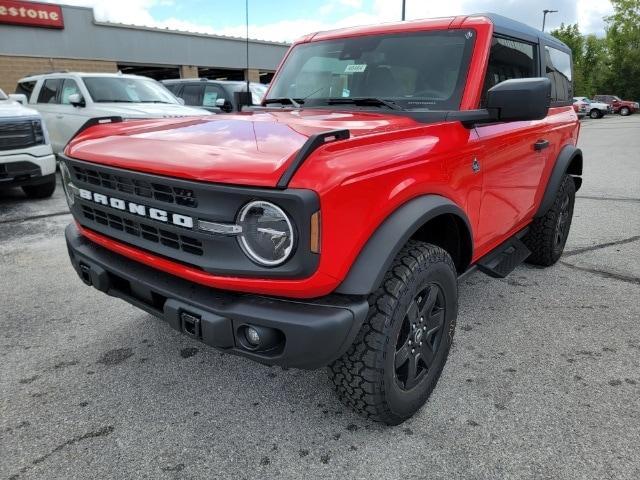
(153, 190)
(142, 230)
(20, 134)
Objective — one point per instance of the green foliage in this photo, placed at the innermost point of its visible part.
(611, 64)
(623, 42)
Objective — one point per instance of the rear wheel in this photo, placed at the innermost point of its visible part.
(548, 235)
(595, 113)
(396, 360)
(42, 190)
(624, 111)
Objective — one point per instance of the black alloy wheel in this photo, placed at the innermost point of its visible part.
(420, 337)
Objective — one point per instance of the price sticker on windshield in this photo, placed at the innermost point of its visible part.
(356, 68)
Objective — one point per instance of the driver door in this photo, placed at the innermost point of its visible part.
(511, 161)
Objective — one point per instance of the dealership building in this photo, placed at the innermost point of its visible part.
(40, 37)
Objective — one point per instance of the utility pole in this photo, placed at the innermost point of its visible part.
(544, 16)
(404, 9)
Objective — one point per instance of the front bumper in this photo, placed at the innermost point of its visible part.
(313, 332)
(17, 170)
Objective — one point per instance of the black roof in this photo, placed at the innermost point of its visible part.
(512, 28)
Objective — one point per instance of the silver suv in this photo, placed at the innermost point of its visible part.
(67, 100)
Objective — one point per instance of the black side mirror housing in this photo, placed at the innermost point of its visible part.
(243, 99)
(520, 99)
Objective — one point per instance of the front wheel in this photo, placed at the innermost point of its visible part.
(624, 111)
(397, 357)
(595, 113)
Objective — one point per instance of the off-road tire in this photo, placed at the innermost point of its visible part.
(624, 111)
(366, 377)
(544, 239)
(595, 113)
(42, 190)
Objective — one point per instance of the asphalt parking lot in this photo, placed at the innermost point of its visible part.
(543, 380)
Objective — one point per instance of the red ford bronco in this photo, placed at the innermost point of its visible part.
(330, 225)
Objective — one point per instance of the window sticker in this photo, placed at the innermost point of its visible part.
(356, 68)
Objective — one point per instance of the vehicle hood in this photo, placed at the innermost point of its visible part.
(147, 110)
(252, 148)
(11, 109)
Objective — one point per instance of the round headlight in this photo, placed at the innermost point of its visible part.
(267, 235)
(67, 184)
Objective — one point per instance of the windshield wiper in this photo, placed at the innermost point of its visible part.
(364, 101)
(296, 102)
(154, 101)
(112, 100)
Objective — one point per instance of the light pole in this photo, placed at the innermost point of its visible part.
(404, 9)
(544, 16)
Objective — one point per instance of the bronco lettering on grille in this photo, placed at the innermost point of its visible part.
(137, 209)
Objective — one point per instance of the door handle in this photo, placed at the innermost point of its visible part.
(540, 145)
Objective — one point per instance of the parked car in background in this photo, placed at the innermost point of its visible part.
(623, 107)
(68, 100)
(26, 159)
(594, 109)
(218, 96)
(580, 108)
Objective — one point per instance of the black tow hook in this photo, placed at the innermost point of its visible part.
(85, 273)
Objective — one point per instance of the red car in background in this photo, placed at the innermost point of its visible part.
(623, 107)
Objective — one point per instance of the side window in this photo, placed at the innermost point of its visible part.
(191, 94)
(49, 91)
(211, 94)
(558, 70)
(509, 59)
(26, 88)
(69, 87)
(173, 87)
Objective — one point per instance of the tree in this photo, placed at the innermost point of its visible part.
(595, 67)
(623, 43)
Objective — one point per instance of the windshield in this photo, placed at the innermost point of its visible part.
(2, 95)
(425, 70)
(127, 90)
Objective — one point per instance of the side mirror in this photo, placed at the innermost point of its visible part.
(180, 100)
(243, 99)
(520, 99)
(224, 105)
(76, 100)
(18, 97)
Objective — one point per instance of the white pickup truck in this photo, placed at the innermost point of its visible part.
(68, 100)
(26, 159)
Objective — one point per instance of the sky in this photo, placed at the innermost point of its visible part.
(286, 20)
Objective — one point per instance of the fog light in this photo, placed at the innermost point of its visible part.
(252, 336)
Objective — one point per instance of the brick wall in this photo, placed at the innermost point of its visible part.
(253, 74)
(13, 68)
(188, 71)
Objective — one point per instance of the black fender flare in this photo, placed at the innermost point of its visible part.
(369, 268)
(561, 167)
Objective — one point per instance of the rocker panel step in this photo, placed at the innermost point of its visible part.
(503, 260)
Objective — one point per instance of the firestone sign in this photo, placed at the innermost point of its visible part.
(31, 14)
